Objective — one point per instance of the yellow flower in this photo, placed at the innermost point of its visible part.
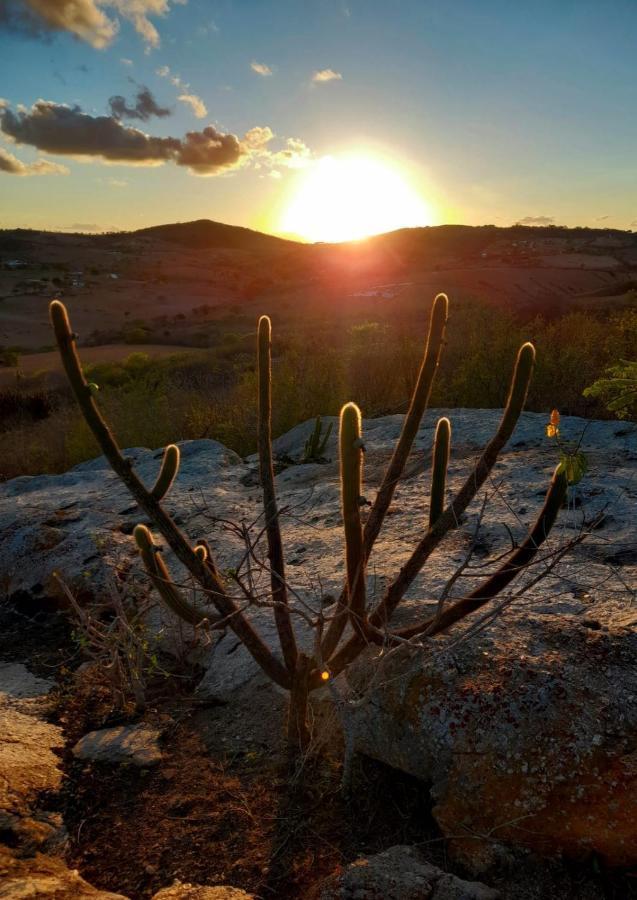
(553, 427)
(325, 675)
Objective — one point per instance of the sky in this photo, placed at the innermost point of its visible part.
(320, 118)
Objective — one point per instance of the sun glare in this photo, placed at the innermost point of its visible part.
(344, 199)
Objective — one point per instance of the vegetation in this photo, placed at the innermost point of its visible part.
(318, 366)
(295, 670)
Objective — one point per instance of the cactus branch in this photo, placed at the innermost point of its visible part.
(439, 466)
(270, 509)
(167, 472)
(174, 537)
(351, 455)
(516, 562)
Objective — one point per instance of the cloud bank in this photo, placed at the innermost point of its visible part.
(14, 166)
(67, 131)
(86, 19)
(537, 220)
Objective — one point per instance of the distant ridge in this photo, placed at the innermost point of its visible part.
(204, 233)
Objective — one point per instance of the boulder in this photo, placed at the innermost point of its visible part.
(400, 873)
(137, 745)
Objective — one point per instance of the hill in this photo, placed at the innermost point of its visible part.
(204, 233)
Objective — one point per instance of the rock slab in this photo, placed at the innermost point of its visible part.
(137, 745)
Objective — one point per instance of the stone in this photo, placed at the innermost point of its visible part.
(29, 764)
(400, 873)
(42, 876)
(180, 891)
(137, 745)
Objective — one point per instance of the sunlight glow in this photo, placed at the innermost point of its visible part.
(344, 199)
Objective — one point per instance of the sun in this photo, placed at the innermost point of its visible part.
(344, 199)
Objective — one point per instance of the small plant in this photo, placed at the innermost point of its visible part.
(573, 462)
(316, 444)
(618, 389)
(335, 647)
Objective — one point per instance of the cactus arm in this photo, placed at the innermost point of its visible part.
(505, 574)
(439, 466)
(160, 577)
(351, 459)
(411, 424)
(174, 537)
(167, 472)
(271, 512)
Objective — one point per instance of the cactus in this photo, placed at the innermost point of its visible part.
(297, 671)
(316, 444)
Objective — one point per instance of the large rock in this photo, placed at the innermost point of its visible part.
(400, 873)
(527, 731)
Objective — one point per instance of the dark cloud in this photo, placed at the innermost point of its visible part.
(145, 107)
(537, 220)
(67, 131)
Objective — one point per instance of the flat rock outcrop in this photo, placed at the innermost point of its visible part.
(137, 745)
(526, 731)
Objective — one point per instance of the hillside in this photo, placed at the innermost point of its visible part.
(204, 233)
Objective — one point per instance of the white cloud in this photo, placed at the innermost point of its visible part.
(126, 62)
(14, 166)
(323, 75)
(195, 103)
(260, 68)
(87, 20)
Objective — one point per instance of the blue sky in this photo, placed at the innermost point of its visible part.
(492, 111)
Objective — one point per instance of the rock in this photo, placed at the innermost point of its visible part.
(400, 873)
(29, 766)
(42, 877)
(134, 744)
(179, 891)
(525, 731)
(526, 735)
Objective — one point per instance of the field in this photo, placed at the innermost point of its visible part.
(348, 323)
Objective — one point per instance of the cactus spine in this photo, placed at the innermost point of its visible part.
(442, 442)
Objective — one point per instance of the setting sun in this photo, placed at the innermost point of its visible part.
(342, 199)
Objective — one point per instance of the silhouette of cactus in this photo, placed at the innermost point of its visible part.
(297, 671)
(316, 444)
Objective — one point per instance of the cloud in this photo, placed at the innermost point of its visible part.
(196, 104)
(536, 220)
(145, 107)
(602, 218)
(164, 72)
(67, 131)
(258, 137)
(126, 62)
(85, 19)
(14, 166)
(323, 75)
(634, 222)
(260, 68)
